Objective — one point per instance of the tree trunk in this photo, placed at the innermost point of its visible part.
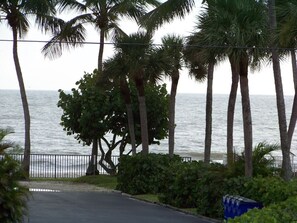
(125, 91)
(247, 117)
(294, 106)
(92, 168)
(286, 163)
(27, 151)
(101, 50)
(175, 79)
(143, 115)
(208, 114)
(231, 112)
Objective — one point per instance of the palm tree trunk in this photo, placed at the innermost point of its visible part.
(286, 163)
(231, 112)
(101, 50)
(174, 84)
(247, 117)
(127, 98)
(293, 119)
(208, 113)
(27, 151)
(143, 115)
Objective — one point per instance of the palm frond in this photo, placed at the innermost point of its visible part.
(166, 12)
(70, 36)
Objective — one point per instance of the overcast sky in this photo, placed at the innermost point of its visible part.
(43, 74)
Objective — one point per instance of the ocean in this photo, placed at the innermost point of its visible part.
(48, 137)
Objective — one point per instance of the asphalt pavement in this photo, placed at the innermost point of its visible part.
(103, 207)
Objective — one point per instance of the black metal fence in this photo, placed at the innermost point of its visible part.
(63, 166)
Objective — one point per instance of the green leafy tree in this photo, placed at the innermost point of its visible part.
(108, 123)
(16, 14)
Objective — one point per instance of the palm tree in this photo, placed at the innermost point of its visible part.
(199, 57)
(135, 50)
(171, 52)
(286, 163)
(116, 70)
(287, 31)
(16, 14)
(4, 144)
(104, 15)
(238, 27)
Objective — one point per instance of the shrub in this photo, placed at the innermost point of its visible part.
(285, 211)
(269, 190)
(12, 195)
(195, 185)
(142, 174)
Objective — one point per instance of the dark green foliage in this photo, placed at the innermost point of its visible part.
(262, 161)
(12, 196)
(269, 190)
(285, 211)
(195, 184)
(142, 174)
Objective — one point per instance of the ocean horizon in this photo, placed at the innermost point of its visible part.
(48, 137)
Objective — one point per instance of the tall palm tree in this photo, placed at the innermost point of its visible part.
(135, 50)
(171, 51)
(286, 163)
(238, 27)
(16, 13)
(287, 32)
(204, 58)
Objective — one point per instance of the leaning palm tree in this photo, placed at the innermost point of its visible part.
(239, 26)
(16, 13)
(135, 50)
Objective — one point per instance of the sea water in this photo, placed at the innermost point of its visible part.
(48, 137)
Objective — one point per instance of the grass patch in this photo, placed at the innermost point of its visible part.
(106, 181)
(148, 197)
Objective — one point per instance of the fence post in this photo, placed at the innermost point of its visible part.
(55, 166)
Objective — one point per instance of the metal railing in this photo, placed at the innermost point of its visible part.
(63, 166)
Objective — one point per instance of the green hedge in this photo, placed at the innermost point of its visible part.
(281, 212)
(143, 174)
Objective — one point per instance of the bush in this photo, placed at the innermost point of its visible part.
(12, 196)
(269, 190)
(195, 185)
(285, 211)
(143, 174)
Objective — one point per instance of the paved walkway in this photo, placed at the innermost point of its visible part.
(66, 202)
